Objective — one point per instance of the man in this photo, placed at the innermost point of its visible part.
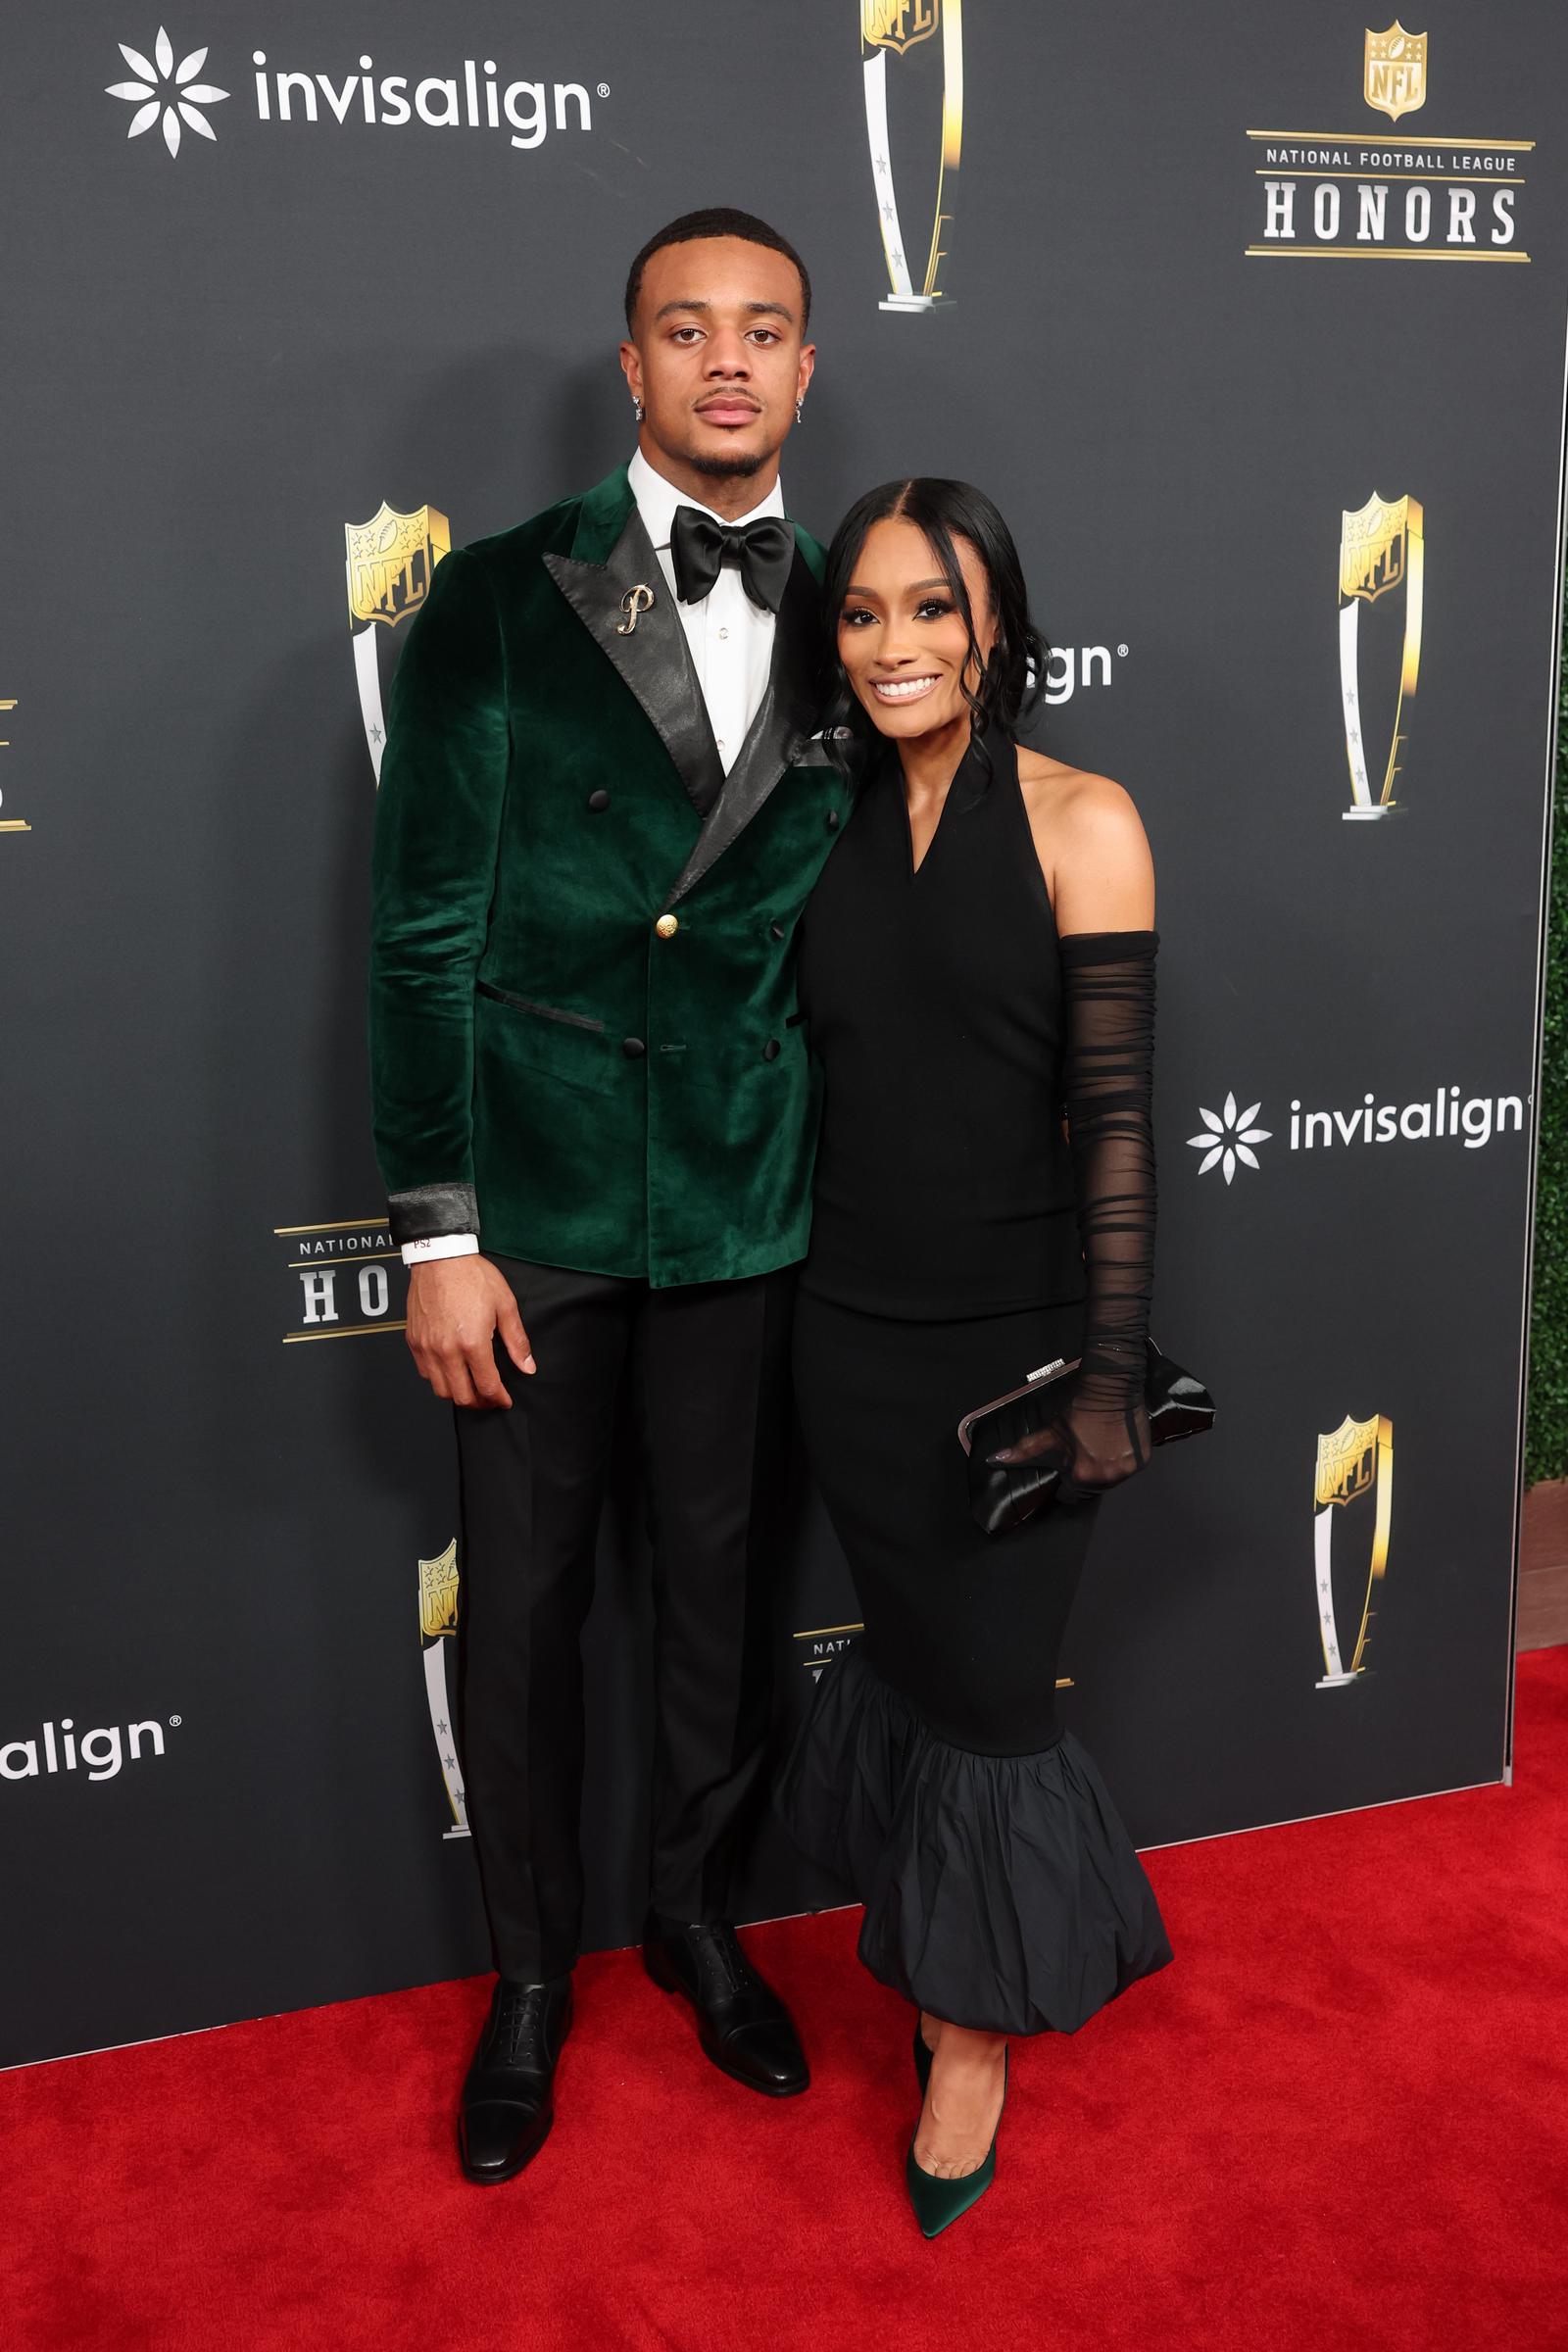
(601, 812)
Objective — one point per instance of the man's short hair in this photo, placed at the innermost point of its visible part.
(720, 220)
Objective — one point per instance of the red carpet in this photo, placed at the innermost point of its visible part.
(1340, 2120)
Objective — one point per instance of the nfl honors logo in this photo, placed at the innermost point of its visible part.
(343, 1268)
(390, 563)
(1400, 195)
(1396, 71)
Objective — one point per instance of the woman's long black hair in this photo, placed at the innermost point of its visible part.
(1011, 680)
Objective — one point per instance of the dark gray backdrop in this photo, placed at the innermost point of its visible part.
(219, 358)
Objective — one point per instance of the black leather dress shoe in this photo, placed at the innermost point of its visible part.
(741, 2023)
(508, 2107)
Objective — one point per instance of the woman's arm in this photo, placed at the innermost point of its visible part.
(1103, 887)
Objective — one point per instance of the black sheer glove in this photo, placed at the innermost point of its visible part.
(1108, 984)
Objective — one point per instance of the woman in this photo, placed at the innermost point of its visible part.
(976, 961)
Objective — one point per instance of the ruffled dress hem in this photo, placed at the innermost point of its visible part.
(1002, 1893)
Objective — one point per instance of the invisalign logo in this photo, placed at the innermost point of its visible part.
(1478, 1118)
(1448, 1114)
(530, 108)
(99, 1753)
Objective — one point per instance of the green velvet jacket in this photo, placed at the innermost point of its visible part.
(583, 1035)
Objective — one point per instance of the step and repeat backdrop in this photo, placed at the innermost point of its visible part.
(1251, 317)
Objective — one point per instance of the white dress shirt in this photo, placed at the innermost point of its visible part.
(731, 638)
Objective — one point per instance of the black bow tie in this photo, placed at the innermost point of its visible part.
(700, 544)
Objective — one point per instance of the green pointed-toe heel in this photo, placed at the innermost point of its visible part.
(938, 2203)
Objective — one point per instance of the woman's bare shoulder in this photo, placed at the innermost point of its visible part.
(1075, 797)
(1091, 844)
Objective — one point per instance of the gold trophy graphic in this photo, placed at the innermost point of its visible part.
(891, 29)
(1382, 551)
(1354, 1467)
(390, 563)
(438, 1623)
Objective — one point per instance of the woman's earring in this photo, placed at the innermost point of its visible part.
(800, 411)
(638, 410)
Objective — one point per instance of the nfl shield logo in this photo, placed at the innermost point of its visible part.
(896, 24)
(1395, 76)
(389, 562)
(1373, 545)
(1347, 1461)
(438, 1595)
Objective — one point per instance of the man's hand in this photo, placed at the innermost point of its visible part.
(456, 1307)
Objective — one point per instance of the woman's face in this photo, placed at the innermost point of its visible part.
(903, 640)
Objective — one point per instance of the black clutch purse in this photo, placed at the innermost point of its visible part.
(1003, 1495)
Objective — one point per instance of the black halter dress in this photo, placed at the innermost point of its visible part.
(1001, 1888)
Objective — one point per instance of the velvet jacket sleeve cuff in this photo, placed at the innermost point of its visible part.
(432, 1208)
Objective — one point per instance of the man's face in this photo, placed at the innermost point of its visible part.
(717, 359)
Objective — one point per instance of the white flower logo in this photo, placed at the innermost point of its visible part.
(167, 89)
(1228, 1138)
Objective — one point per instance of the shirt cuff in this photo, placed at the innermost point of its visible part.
(440, 1244)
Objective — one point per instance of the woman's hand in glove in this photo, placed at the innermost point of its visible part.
(1094, 1447)
(1109, 1444)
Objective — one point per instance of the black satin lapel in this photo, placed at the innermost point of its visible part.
(783, 723)
(653, 660)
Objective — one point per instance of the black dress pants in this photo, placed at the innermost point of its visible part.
(710, 1379)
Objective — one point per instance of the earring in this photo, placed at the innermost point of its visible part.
(800, 411)
(638, 410)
